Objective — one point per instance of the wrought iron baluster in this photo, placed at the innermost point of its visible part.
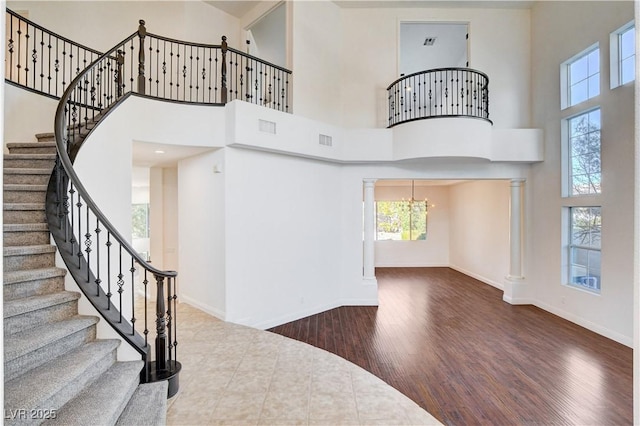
(87, 245)
(98, 280)
(120, 282)
(109, 294)
(146, 321)
(79, 206)
(133, 294)
(223, 71)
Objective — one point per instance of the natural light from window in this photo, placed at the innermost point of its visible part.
(584, 247)
(584, 154)
(584, 77)
(627, 55)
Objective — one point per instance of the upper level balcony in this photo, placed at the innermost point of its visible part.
(438, 93)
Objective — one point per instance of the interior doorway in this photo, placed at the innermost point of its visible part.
(430, 45)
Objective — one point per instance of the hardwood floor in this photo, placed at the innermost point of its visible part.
(452, 345)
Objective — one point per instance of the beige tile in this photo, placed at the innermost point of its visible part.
(286, 405)
(250, 381)
(332, 406)
(240, 406)
(235, 375)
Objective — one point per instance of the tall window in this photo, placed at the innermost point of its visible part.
(584, 247)
(584, 154)
(140, 220)
(580, 77)
(623, 55)
(401, 220)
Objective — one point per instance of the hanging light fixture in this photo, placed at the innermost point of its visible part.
(411, 203)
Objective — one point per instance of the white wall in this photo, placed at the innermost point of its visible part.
(434, 251)
(283, 237)
(269, 34)
(102, 24)
(479, 224)
(202, 232)
(560, 31)
(26, 114)
(499, 47)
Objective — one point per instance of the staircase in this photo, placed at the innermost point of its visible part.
(55, 370)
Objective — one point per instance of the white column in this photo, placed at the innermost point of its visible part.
(515, 234)
(369, 229)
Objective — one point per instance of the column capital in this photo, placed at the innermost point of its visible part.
(369, 182)
(517, 181)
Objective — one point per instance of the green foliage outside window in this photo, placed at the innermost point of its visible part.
(401, 220)
(140, 221)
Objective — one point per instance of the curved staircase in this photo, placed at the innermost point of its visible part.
(55, 368)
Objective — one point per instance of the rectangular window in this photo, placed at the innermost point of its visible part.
(140, 220)
(623, 55)
(580, 77)
(401, 220)
(584, 247)
(584, 154)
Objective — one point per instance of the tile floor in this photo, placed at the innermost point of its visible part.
(235, 375)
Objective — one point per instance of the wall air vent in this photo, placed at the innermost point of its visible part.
(429, 41)
(325, 140)
(267, 126)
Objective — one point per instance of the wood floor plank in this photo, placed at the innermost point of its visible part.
(451, 344)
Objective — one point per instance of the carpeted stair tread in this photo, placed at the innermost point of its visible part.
(51, 385)
(23, 206)
(103, 401)
(147, 407)
(26, 171)
(29, 304)
(29, 144)
(30, 340)
(14, 277)
(20, 250)
(24, 187)
(25, 227)
(46, 135)
(32, 156)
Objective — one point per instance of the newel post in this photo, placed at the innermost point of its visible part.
(161, 328)
(223, 70)
(119, 64)
(142, 32)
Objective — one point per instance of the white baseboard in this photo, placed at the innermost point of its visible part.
(205, 308)
(603, 331)
(485, 280)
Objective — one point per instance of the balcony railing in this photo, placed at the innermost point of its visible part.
(443, 92)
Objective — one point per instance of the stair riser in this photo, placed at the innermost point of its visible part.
(27, 179)
(29, 261)
(18, 163)
(35, 149)
(33, 288)
(46, 139)
(33, 359)
(24, 196)
(38, 317)
(26, 238)
(23, 216)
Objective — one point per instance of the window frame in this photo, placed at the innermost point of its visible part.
(570, 246)
(567, 157)
(565, 77)
(615, 53)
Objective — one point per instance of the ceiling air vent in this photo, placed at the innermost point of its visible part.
(325, 140)
(267, 126)
(429, 41)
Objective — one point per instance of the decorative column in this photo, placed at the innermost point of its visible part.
(369, 229)
(514, 285)
(515, 233)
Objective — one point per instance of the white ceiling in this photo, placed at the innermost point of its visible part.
(418, 182)
(145, 155)
(239, 8)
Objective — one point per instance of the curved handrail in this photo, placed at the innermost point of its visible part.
(50, 56)
(440, 92)
(72, 214)
(210, 74)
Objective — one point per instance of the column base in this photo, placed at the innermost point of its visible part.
(371, 281)
(515, 291)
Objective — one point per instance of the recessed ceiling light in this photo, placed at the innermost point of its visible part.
(159, 151)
